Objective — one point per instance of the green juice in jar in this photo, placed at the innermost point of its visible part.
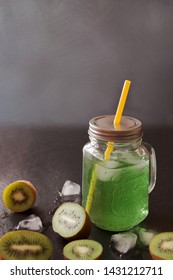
(115, 192)
(120, 198)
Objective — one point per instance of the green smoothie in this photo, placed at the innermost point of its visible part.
(120, 190)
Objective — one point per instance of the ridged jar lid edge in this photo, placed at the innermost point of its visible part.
(102, 128)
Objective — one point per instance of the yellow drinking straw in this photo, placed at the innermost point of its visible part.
(122, 102)
(118, 114)
(109, 149)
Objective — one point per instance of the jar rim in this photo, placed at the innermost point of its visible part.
(102, 128)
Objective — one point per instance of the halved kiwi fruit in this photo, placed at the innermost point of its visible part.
(1, 258)
(71, 221)
(19, 196)
(25, 245)
(161, 246)
(83, 249)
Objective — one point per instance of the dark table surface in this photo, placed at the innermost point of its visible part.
(48, 156)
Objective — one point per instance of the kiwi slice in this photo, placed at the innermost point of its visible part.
(83, 249)
(25, 245)
(71, 221)
(19, 196)
(161, 246)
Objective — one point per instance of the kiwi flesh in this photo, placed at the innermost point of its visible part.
(25, 245)
(71, 221)
(19, 196)
(161, 246)
(83, 249)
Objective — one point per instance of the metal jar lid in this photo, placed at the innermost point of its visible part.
(102, 128)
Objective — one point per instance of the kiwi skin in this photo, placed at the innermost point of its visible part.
(65, 258)
(25, 238)
(1, 258)
(154, 246)
(84, 231)
(8, 191)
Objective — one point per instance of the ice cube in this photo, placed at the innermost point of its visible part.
(133, 159)
(32, 222)
(106, 171)
(129, 158)
(70, 188)
(70, 192)
(145, 236)
(123, 242)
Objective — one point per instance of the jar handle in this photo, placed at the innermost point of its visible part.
(152, 166)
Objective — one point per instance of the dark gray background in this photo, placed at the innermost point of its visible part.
(65, 61)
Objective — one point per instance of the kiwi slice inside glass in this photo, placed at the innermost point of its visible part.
(83, 249)
(71, 221)
(19, 196)
(25, 245)
(161, 246)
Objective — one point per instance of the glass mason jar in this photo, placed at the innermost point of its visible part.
(119, 172)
